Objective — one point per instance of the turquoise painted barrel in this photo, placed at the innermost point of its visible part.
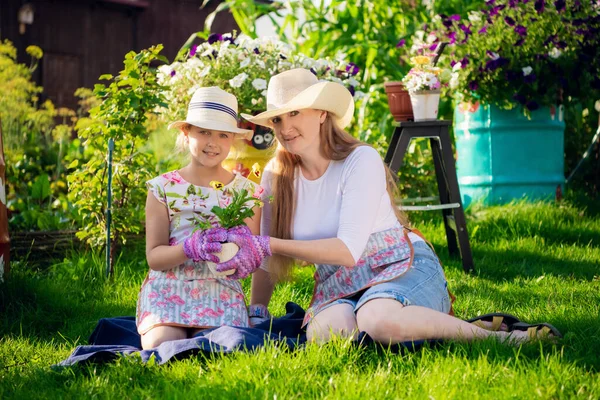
(503, 155)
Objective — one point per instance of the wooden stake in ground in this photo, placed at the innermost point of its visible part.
(4, 237)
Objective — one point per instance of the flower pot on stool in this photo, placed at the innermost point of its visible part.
(399, 101)
(425, 104)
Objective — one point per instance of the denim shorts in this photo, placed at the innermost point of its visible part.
(424, 284)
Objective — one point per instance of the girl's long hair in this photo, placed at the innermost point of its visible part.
(336, 144)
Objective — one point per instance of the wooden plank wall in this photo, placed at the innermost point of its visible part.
(83, 39)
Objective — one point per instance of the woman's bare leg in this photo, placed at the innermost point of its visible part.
(336, 320)
(388, 321)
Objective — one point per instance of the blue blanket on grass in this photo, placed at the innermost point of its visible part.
(118, 336)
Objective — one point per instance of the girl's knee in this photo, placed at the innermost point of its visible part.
(156, 336)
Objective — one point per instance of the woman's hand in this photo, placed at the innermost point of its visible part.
(253, 249)
(201, 245)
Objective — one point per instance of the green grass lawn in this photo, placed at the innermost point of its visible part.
(540, 262)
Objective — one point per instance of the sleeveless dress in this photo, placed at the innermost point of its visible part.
(190, 295)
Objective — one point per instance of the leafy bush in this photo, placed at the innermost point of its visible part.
(123, 110)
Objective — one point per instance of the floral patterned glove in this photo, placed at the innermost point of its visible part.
(201, 244)
(253, 249)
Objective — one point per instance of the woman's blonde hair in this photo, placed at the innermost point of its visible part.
(336, 144)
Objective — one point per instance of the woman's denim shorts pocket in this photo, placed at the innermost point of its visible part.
(424, 284)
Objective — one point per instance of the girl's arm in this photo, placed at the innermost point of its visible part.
(159, 254)
(262, 286)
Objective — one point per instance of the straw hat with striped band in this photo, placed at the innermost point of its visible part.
(214, 109)
(299, 89)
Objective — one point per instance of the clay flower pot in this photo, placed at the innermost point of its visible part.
(399, 101)
(228, 251)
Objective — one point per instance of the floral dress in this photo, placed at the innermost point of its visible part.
(190, 295)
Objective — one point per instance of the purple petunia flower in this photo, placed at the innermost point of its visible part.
(532, 106)
(493, 65)
(352, 90)
(256, 51)
(173, 73)
(509, 21)
(513, 3)
(313, 71)
(464, 62)
(490, 3)
(193, 50)
(483, 30)
(561, 44)
(454, 17)
(560, 5)
(521, 30)
(401, 43)
(465, 29)
(520, 98)
(529, 78)
(352, 69)
(520, 42)
(215, 37)
(452, 37)
(452, 64)
(473, 85)
(433, 46)
(539, 6)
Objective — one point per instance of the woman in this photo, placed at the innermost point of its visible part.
(333, 205)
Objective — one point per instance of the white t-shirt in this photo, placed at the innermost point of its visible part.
(349, 202)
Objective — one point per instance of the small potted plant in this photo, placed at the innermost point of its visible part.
(424, 82)
(238, 207)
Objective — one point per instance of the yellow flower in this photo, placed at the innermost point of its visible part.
(216, 185)
(420, 60)
(256, 170)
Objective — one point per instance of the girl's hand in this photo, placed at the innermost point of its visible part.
(201, 245)
(253, 249)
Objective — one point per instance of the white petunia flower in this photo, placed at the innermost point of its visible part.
(474, 17)
(456, 66)
(259, 84)
(238, 80)
(205, 71)
(245, 63)
(527, 70)
(353, 82)
(261, 64)
(555, 53)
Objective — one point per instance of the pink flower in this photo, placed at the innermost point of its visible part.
(388, 239)
(195, 293)
(211, 313)
(161, 304)
(173, 177)
(152, 295)
(258, 192)
(189, 271)
(144, 315)
(185, 315)
(225, 296)
(171, 275)
(239, 296)
(176, 299)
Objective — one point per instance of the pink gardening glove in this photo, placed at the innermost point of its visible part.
(253, 249)
(201, 244)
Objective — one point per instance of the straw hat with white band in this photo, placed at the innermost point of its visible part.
(214, 109)
(299, 89)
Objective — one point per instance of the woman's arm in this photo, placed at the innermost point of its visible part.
(322, 251)
(159, 254)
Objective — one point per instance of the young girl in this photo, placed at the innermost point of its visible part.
(180, 295)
